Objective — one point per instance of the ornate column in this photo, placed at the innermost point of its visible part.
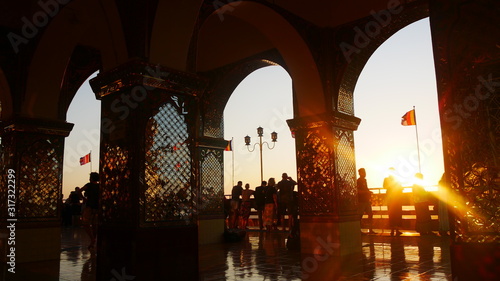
(210, 155)
(327, 184)
(465, 40)
(148, 219)
(30, 193)
(210, 209)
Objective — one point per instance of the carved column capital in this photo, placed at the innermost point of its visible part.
(40, 126)
(150, 76)
(335, 119)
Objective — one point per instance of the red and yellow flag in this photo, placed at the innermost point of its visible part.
(409, 118)
(85, 159)
(229, 145)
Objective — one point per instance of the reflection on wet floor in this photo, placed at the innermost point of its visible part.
(264, 256)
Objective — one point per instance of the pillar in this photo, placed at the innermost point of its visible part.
(30, 197)
(327, 184)
(148, 219)
(211, 146)
(465, 42)
(211, 174)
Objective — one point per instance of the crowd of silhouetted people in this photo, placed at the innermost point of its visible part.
(394, 201)
(272, 200)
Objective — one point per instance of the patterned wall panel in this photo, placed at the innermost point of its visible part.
(168, 193)
(116, 195)
(345, 176)
(213, 125)
(467, 61)
(475, 174)
(39, 180)
(315, 171)
(33, 150)
(212, 182)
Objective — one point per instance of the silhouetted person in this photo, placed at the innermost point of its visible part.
(235, 204)
(90, 213)
(271, 204)
(66, 213)
(394, 204)
(364, 199)
(293, 240)
(285, 199)
(423, 224)
(75, 198)
(246, 205)
(260, 201)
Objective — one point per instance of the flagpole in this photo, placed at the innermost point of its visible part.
(416, 133)
(232, 153)
(90, 160)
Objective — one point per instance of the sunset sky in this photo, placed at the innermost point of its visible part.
(397, 77)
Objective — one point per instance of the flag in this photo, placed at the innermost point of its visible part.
(85, 159)
(409, 118)
(229, 145)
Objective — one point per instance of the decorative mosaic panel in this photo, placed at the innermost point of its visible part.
(345, 177)
(213, 124)
(168, 192)
(467, 72)
(212, 182)
(316, 175)
(476, 176)
(116, 197)
(39, 180)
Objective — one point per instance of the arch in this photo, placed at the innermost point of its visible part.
(240, 71)
(348, 80)
(97, 26)
(6, 109)
(219, 93)
(263, 98)
(268, 31)
(84, 62)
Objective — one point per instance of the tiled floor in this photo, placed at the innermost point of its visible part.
(77, 263)
(264, 256)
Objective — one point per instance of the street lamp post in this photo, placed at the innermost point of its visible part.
(260, 133)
